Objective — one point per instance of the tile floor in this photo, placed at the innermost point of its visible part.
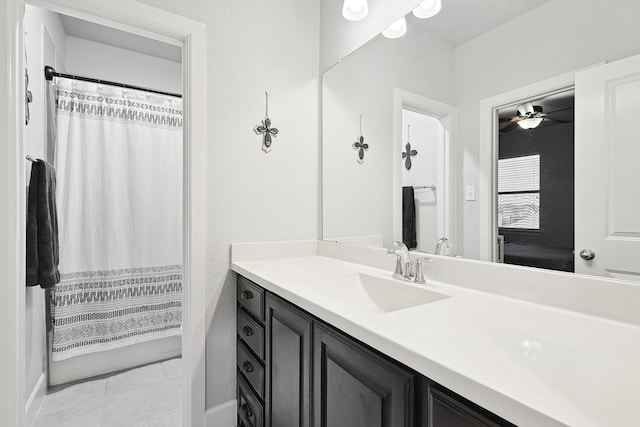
(146, 396)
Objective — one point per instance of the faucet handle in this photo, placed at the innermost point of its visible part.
(398, 273)
(419, 277)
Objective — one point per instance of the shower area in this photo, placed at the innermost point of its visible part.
(106, 114)
(118, 158)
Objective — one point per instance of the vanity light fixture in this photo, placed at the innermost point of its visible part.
(397, 29)
(427, 9)
(355, 10)
(530, 123)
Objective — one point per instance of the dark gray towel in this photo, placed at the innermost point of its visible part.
(409, 218)
(42, 227)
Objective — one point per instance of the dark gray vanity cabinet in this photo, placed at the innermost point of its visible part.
(294, 370)
(355, 387)
(250, 353)
(288, 364)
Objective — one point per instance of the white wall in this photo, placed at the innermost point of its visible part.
(253, 196)
(97, 60)
(565, 35)
(427, 138)
(339, 37)
(45, 44)
(358, 198)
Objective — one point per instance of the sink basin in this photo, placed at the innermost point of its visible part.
(374, 293)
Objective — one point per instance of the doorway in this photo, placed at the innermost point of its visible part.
(535, 182)
(422, 180)
(429, 127)
(118, 305)
(141, 20)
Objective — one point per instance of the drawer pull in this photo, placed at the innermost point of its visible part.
(247, 367)
(246, 411)
(247, 331)
(247, 295)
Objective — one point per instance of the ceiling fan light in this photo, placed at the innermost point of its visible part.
(355, 10)
(427, 9)
(526, 109)
(530, 123)
(397, 29)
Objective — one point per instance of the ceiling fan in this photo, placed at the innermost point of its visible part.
(529, 116)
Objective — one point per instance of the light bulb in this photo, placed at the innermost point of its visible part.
(355, 10)
(427, 9)
(531, 123)
(397, 29)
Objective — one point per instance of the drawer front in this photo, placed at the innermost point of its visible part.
(250, 410)
(251, 369)
(251, 297)
(251, 333)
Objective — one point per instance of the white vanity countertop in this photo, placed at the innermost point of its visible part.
(532, 364)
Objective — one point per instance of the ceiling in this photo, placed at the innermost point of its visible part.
(121, 39)
(458, 22)
(462, 20)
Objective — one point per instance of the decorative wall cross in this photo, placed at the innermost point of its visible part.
(360, 145)
(265, 129)
(409, 153)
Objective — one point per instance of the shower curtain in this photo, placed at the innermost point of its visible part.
(118, 157)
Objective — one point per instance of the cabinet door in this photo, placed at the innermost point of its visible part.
(288, 361)
(446, 409)
(354, 387)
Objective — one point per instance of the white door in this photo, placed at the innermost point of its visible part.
(607, 169)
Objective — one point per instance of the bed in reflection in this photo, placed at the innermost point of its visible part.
(537, 255)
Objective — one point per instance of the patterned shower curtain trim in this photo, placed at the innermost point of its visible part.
(104, 310)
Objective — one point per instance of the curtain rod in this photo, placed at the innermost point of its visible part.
(50, 73)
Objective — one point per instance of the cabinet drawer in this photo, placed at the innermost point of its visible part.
(251, 333)
(251, 297)
(251, 369)
(250, 410)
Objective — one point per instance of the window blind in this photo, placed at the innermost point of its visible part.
(519, 174)
(519, 192)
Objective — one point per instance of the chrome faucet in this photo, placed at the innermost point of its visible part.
(403, 266)
(419, 276)
(442, 241)
(403, 269)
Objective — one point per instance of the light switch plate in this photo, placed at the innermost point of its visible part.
(470, 193)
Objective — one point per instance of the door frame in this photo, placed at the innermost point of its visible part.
(150, 22)
(488, 152)
(447, 114)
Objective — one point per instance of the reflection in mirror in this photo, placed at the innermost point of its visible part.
(422, 180)
(469, 53)
(535, 182)
(362, 202)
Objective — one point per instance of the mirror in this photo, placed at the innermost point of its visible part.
(468, 53)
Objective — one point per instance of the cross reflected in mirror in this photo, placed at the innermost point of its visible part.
(407, 156)
(360, 146)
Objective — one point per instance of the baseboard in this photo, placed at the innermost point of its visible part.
(222, 415)
(35, 401)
